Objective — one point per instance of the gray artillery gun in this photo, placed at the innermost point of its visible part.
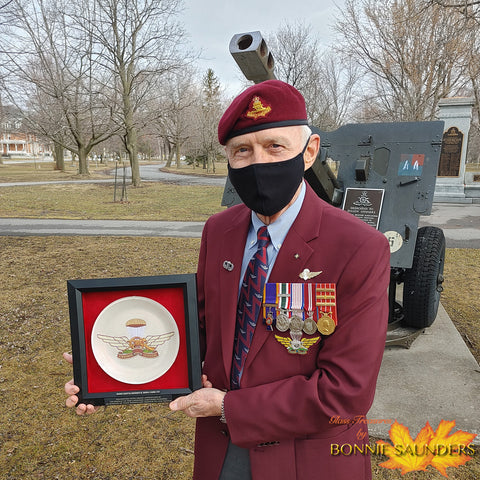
(383, 173)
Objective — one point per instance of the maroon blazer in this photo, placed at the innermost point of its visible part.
(292, 408)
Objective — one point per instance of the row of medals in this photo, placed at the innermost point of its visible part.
(325, 324)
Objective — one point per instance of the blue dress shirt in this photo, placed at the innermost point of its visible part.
(277, 230)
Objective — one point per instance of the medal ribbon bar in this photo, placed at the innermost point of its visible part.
(270, 305)
(308, 295)
(297, 299)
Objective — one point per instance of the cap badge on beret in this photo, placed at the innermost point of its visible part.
(257, 109)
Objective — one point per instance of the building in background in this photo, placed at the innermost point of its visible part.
(15, 137)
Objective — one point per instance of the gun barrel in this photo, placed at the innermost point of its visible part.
(251, 53)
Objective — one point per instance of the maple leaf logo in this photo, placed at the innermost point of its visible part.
(443, 443)
(407, 454)
(438, 449)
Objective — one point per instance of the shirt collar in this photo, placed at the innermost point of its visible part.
(279, 228)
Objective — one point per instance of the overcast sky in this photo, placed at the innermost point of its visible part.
(211, 24)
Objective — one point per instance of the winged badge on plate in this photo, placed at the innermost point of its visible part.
(128, 348)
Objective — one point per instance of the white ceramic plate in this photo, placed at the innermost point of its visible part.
(135, 362)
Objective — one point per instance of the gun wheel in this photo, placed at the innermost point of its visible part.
(423, 282)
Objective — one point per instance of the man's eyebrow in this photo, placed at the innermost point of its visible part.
(280, 139)
(234, 145)
(283, 140)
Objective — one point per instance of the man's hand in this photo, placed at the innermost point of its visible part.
(71, 390)
(206, 402)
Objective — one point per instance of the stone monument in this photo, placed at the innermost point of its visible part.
(457, 115)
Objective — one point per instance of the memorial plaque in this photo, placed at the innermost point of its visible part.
(450, 156)
(365, 204)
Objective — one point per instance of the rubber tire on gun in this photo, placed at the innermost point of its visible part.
(423, 282)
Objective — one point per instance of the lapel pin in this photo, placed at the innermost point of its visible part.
(307, 274)
(227, 265)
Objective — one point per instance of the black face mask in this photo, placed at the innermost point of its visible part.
(266, 188)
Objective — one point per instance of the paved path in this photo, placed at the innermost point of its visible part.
(436, 379)
(154, 173)
(460, 224)
(149, 173)
(41, 227)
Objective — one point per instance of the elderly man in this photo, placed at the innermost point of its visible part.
(297, 394)
(293, 310)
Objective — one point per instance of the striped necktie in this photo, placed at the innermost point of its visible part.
(249, 304)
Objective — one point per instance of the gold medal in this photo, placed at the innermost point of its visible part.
(326, 324)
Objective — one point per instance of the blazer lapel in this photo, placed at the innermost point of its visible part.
(231, 249)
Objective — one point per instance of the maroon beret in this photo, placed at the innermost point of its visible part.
(265, 105)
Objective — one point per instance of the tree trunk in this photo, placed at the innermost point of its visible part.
(131, 146)
(130, 136)
(210, 162)
(177, 154)
(83, 161)
(168, 163)
(58, 157)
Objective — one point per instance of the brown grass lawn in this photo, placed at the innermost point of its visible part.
(150, 201)
(40, 438)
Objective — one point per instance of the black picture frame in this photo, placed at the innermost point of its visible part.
(86, 297)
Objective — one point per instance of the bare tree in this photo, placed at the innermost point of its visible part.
(138, 41)
(334, 91)
(294, 47)
(175, 111)
(296, 53)
(467, 8)
(328, 85)
(468, 13)
(210, 110)
(411, 56)
(52, 76)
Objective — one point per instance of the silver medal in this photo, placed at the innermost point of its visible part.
(309, 326)
(296, 324)
(283, 322)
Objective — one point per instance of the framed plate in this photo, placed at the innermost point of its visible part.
(136, 339)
